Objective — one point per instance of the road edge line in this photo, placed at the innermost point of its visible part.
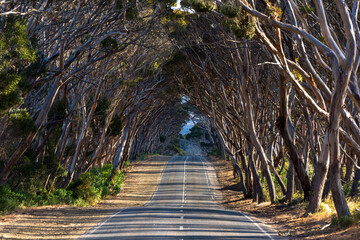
(157, 187)
(244, 214)
(92, 230)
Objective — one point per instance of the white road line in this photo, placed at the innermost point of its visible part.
(184, 179)
(102, 223)
(261, 229)
(157, 187)
(248, 217)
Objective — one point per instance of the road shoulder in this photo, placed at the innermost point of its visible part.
(286, 219)
(66, 222)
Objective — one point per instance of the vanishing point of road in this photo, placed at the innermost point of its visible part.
(183, 207)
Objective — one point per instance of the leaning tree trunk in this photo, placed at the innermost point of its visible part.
(318, 182)
(239, 173)
(258, 191)
(342, 77)
(282, 124)
(255, 141)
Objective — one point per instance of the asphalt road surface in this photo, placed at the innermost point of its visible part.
(183, 207)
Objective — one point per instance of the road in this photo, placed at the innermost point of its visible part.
(183, 207)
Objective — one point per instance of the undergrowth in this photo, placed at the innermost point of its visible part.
(88, 189)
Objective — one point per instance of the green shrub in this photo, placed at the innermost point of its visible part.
(16, 54)
(195, 132)
(22, 123)
(115, 127)
(58, 110)
(347, 221)
(93, 185)
(334, 219)
(202, 5)
(109, 43)
(230, 10)
(102, 107)
(8, 200)
(215, 152)
(90, 188)
(356, 215)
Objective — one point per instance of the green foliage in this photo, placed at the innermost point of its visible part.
(58, 110)
(334, 219)
(347, 221)
(195, 132)
(241, 23)
(132, 13)
(274, 11)
(306, 9)
(109, 44)
(22, 123)
(90, 188)
(16, 54)
(215, 152)
(10, 98)
(115, 127)
(174, 145)
(9, 200)
(14, 43)
(206, 145)
(230, 10)
(347, 188)
(102, 108)
(243, 27)
(202, 6)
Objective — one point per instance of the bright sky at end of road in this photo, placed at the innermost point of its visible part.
(189, 124)
(186, 128)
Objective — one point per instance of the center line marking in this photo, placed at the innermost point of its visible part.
(183, 195)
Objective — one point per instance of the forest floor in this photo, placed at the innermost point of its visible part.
(287, 220)
(67, 222)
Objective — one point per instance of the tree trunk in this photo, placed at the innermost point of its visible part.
(337, 101)
(258, 191)
(290, 183)
(355, 186)
(278, 179)
(256, 143)
(248, 180)
(237, 169)
(282, 124)
(318, 182)
(349, 168)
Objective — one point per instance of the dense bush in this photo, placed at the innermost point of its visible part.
(22, 123)
(195, 132)
(88, 189)
(174, 145)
